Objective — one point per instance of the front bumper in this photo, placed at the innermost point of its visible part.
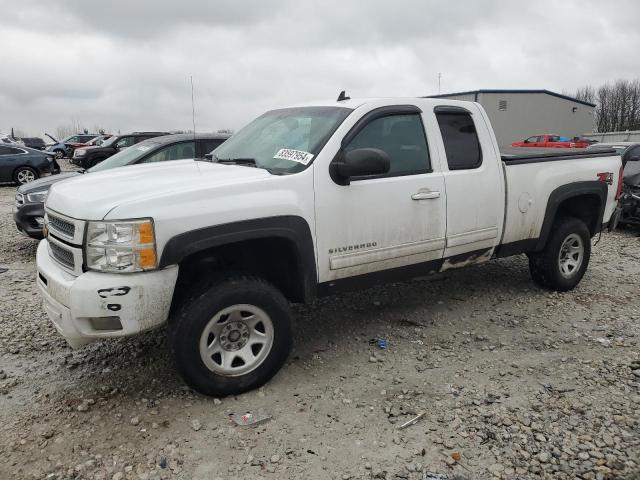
(97, 305)
(26, 218)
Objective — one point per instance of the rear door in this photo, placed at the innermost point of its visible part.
(7, 164)
(385, 221)
(474, 181)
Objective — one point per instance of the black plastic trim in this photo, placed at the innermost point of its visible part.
(565, 192)
(516, 248)
(290, 227)
(375, 114)
(554, 156)
(451, 109)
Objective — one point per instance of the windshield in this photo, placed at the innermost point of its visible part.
(125, 157)
(284, 141)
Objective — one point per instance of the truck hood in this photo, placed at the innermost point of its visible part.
(92, 197)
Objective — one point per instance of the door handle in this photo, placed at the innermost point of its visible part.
(425, 195)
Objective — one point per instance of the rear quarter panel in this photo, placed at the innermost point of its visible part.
(530, 185)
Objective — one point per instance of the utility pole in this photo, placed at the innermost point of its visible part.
(439, 77)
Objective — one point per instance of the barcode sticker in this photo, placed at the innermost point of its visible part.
(294, 155)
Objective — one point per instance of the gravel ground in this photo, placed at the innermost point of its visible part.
(513, 381)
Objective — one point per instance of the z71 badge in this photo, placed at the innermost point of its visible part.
(351, 248)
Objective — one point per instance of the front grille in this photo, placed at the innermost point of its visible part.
(19, 200)
(62, 255)
(61, 226)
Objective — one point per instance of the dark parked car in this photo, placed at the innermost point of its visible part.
(29, 212)
(34, 142)
(91, 156)
(22, 164)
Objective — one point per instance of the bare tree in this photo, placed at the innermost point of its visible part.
(73, 127)
(617, 105)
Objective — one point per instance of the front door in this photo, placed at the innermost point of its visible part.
(386, 221)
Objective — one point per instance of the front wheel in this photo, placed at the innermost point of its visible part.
(232, 338)
(563, 261)
(24, 175)
(59, 154)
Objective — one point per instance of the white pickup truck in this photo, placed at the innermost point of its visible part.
(303, 202)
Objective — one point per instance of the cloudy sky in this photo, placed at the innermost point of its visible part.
(125, 65)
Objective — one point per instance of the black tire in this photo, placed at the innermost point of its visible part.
(545, 266)
(59, 154)
(18, 175)
(188, 325)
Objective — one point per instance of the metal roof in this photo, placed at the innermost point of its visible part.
(547, 92)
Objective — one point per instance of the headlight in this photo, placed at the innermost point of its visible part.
(80, 152)
(121, 246)
(37, 197)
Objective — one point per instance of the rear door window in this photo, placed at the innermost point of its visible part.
(460, 139)
(209, 145)
(124, 142)
(176, 151)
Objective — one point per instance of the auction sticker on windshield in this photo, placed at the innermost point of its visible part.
(298, 156)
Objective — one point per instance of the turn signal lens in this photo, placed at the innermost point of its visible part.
(145, 233)
(147, 258)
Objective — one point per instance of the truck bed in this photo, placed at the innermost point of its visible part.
(530, 155)
(531, 177)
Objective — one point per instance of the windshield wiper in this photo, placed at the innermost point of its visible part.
(237, 161)
(245, 162)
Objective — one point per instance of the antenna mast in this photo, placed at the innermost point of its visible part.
(439, 77)
(193, 114)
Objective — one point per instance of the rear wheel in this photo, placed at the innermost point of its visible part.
(24, 175)
(232, 338)
(564, 260)
(59, 154)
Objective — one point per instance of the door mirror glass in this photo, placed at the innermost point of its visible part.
(361, 162)
(631, 155)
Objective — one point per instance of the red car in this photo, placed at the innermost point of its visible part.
(94, 142)
(551, 141)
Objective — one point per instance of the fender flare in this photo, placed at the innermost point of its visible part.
(566, 192)
(290, 227)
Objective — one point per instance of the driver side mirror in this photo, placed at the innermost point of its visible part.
(361, 162)
(631, 156)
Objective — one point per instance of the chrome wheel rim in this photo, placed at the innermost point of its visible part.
(571, 255)
(26, 176)
(236, 340)
(59, 154)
